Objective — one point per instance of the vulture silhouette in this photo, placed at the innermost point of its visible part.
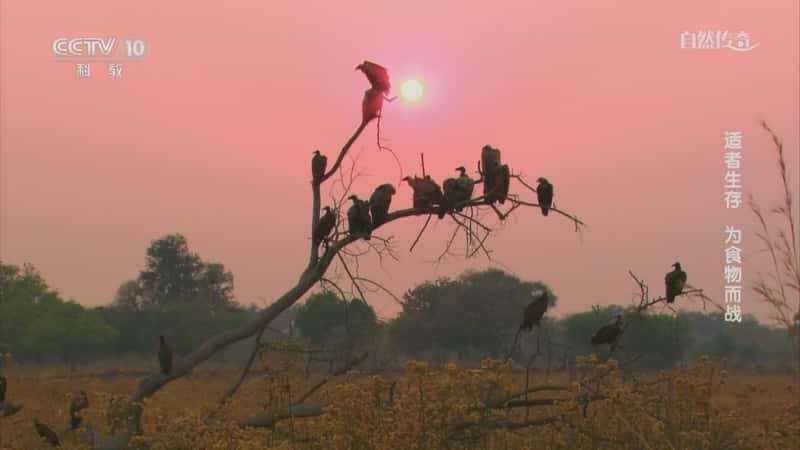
(502, 179)
(490, 162)
(325, 226)
(164, 355)
(608, 334)
(46, 434)
(448, 196)
(544, 193)
(318, 164)
(427, 193)
(358, 219)
(456, 190)
(378, 78)
(466, 186)
(533, 313)
(379, 203)
(675, 281)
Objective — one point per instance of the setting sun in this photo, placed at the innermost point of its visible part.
(412, 90)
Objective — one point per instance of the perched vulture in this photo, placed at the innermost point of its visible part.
(378, 77)
(608, 334)
(326, 224)
(502, 179)
(426, 192)
(534, 311)
(371, 105)
(675, 281)
(456, 190)
(46, 434)
(544, 192)
(358, 219)
(318, 164)
(379, 203)
(78, 403)
(490, 161)
(3, 385)
(465, 186)
(449, 194)
(164, 355)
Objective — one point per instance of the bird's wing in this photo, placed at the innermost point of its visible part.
(377, 75)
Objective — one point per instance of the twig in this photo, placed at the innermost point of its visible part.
(419, 235)
(354, 362)
(242, 375)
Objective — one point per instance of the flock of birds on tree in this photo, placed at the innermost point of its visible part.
(675, 282)
(428, 196)
(364, 215)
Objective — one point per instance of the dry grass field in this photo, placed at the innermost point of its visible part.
(696, 406)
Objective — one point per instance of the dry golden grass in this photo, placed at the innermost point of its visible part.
(697, 406)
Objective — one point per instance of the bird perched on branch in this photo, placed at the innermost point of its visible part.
(426, 192)
(325, 226)
(608, 334)
(46, 434)
(466, 186)
(502, 179)
(76, 405)
(675, 281)
(544, 193)
(378, 77)
(490, 161)
(164, 355)
(448, 196)
(456, 190)
(358, 219)
(534, 311)
(379, 203)
(318, 164)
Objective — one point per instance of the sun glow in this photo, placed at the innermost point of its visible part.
(412, 90)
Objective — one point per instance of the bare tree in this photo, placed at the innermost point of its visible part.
(341, 248)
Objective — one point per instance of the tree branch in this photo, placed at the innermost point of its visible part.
(242, 375)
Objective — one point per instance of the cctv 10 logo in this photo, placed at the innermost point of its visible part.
(98, 47)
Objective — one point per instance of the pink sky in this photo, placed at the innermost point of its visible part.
(211, 134)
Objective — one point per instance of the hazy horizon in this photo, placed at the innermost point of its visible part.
(211, 135)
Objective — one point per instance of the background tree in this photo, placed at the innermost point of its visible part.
(325, 319)
(173, 273)
(177, 294)
(37, 324)
(475, 315)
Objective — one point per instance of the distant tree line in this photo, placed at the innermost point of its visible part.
(475, 315)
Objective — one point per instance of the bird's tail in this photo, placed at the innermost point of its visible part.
(545, 210)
